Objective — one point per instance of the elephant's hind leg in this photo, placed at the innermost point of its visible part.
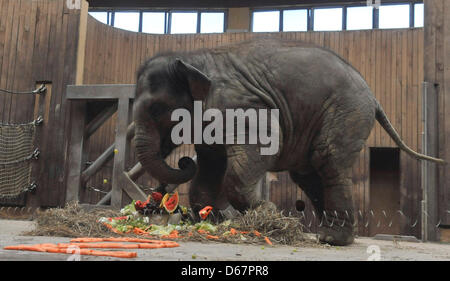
(334, 166)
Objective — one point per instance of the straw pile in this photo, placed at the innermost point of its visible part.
(72, 221)
(252, 226)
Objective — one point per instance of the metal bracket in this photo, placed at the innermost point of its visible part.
(32, 188)
(35, 154)
(38, 121)
(41, 90)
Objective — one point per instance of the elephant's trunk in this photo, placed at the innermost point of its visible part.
(148, 150)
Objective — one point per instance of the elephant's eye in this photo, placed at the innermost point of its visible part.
(158, 109)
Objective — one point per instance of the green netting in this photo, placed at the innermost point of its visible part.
(16, 153)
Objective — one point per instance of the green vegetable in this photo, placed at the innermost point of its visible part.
(206, 226)
(129, 209)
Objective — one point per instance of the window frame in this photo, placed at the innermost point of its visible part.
(356, 6)
(344, 16)
(225, 19)
(310, 10)
(167, 18)
(113, 18)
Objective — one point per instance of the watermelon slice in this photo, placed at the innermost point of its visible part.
(170, 202)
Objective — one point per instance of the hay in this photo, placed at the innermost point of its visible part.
(267, 221)
(286, 230)
(72, 221)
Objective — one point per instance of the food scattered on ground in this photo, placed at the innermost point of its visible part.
(70, 249)
(205, 212)
(149, 219)
(82, 245)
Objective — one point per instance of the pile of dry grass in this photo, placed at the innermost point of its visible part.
(266, 220)
(287, 230)
(72, 221)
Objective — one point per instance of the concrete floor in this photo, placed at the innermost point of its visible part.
(362, 249)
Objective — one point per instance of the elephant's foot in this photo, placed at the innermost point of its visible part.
(336, 236)
(229, 213)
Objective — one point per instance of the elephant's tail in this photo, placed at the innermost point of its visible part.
(386, 124)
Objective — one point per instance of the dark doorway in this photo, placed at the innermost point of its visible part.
(384, 191)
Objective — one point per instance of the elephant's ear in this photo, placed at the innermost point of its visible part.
(199, 83)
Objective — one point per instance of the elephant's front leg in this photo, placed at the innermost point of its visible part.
(245, 167)
(206, 187)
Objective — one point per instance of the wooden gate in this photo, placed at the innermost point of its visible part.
(91, 106)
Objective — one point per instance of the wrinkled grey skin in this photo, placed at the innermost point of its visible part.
(326, 114)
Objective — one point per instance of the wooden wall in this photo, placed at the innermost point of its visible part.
(437, 73)
(38, 42)
(390, 60)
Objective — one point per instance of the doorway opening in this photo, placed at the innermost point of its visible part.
(384, 191)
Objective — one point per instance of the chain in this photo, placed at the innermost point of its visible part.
(97, 190)
(37, 91)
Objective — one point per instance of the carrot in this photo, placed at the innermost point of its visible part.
(150, 246)
(35, 248)
(233, 231)
(121, 218)
(52, 248)
(101, 245)
(112, 228)
(172, 235)
(87, 239)
(113, 254)
(257, 233)
(123, 239)
(202, 231)
(212, 237)
(268, 240)
(137, 230)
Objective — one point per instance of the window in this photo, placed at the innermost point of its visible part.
(100, 16)
(183, 22)
(127, 20)
(394, 16)
(212, 22)
(359, 18)
(268, 21)
(327, 19)
(295, 20)
(418, 15)
(154, 22)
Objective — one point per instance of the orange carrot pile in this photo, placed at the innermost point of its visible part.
(51, 248)
(85, 243)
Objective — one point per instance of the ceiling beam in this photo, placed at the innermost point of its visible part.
(215, 4)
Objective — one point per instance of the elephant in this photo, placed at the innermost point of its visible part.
(326, 113)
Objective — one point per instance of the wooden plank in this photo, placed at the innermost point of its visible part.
(445, 191)
(100, 92)
(67, 62)
(50, 148)
(78, 110)
(8, 53)
(81, 49)
(122, 145)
